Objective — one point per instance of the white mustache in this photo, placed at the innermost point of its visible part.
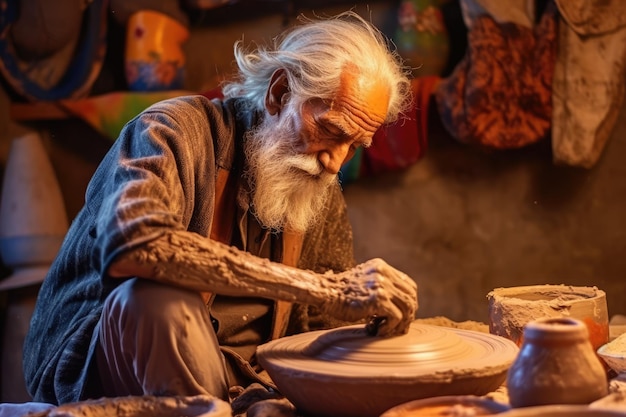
(310, 165)
(306, 163)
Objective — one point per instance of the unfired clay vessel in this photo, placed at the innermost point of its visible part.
(510, 309)
(556, 365)
(345, 372)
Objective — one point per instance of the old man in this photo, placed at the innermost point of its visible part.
(212, 226)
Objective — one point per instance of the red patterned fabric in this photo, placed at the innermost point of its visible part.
(499, 95)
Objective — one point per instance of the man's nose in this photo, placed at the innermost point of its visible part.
(333, 157)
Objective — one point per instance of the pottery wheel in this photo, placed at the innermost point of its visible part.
(425, 353)
(345, 372)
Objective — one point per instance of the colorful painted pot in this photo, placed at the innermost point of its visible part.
(155, 60)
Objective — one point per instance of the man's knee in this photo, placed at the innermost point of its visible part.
(150, 299)
(144, 322)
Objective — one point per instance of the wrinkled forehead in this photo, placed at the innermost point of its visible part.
(366, 97)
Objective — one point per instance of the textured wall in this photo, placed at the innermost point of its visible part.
(462, 222)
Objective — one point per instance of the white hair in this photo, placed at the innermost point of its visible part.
(314, 54)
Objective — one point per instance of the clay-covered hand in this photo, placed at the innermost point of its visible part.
(374, 289)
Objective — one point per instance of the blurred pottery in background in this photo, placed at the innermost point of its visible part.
(421, 37)
(33, 220)
(154, 59)
(33, 223)
(510, 309)
(617, 326)
(556, 365)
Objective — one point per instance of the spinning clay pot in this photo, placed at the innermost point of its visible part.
(346, 372)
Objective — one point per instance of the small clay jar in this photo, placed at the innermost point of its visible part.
(556, 364)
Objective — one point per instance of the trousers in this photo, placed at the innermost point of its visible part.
(157, 339)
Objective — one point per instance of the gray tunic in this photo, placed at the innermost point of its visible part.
(159, 175)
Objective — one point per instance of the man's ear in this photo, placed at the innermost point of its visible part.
(278, 87)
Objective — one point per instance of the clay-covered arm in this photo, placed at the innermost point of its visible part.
(186, 259)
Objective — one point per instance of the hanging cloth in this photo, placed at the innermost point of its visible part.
(499, 95)
(588, 86)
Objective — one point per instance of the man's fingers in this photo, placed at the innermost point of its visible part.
(385, 295)
(373, 324)
(391, 323)
(399, 312)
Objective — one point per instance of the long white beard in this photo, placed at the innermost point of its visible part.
(289, 190)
